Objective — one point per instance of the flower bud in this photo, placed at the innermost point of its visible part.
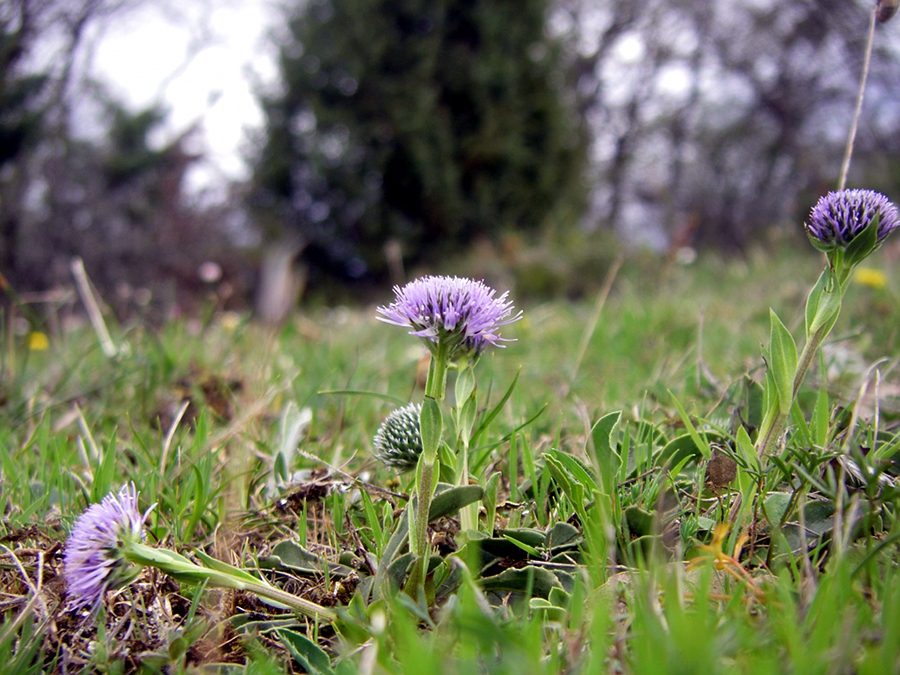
(398, 441)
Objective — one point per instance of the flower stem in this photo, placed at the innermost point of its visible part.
(436, 384)
(468, 515)
(810, 349)
(226, 576)
(772, 428)
(419, 541)
(299, 605)
(431, 429)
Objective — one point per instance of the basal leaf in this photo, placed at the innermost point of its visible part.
(291, 555)
(305, 652)
(536, 581)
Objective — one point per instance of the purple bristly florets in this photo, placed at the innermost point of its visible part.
(838, 217)
(93, 563)
(461, 313)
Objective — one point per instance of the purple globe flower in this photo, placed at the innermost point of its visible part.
(461, 314)
(93, 561)
(838, 217)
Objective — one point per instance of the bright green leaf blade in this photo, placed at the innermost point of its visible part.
(783, 362)
(305, 652)
(699, 439)
(432, 427)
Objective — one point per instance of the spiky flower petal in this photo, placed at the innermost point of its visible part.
(93, 561)
(838, 217)
(462, 314)
(398, 441)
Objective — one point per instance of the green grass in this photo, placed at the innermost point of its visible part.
(246, 438)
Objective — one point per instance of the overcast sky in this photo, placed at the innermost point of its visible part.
(203, 64)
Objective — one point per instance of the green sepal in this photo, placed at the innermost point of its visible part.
(862, 245)
(820, 245)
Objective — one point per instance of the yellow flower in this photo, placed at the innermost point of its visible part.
(229, 321)
(37, 341)
(866, 276)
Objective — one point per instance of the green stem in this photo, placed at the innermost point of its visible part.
(431, 428)
(299, 605)
(468, 515)
(436, 384)
(772, 428)
(182, 569)
(808, 354)
(419, 542)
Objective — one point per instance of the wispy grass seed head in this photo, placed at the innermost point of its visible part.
(93, 560)
(398, 441)
(461, 314)
(839, 217)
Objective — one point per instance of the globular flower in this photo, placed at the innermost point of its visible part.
(94, 560)
(460, 314)
(839, 217)
(398, 441)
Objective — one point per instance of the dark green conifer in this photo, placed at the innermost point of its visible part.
(430, 122)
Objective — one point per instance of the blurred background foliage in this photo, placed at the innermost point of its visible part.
(522, 140)
(427, 123)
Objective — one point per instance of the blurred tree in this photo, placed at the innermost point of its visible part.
(430, 123)
(121, 205)
(113, 198)
(40, 43)
(21, 116)
(715, 120)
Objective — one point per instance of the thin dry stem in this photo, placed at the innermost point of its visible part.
(93, 309)
(594, 320)
(851, 138)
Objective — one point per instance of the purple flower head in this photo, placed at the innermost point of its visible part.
(93, 560)
(838, 217)
(462, 314)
